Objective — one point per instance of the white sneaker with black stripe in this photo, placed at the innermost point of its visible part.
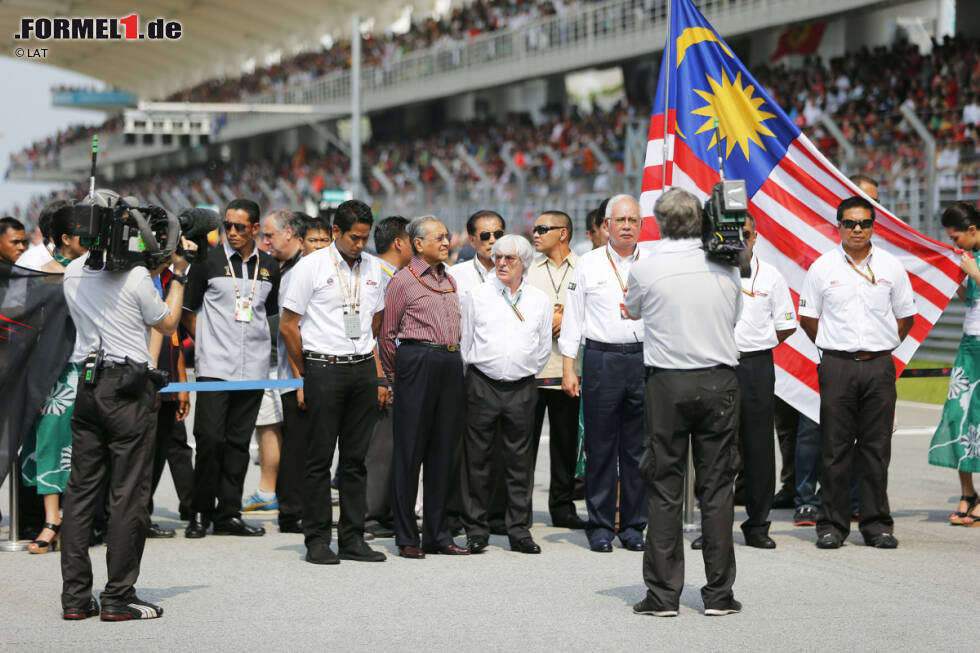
(135, 609)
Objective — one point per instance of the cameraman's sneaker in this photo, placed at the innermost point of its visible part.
(257, 502)
(135, 609)
(646, 606)
(730, 607)
(805, 515)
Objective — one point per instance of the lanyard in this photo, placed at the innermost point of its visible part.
(513, 304)
(352, 296)
(480, 273)
(385, 269)
(635, 256)
(234, 280)
(441, 291)
(751, 293)
(557, 288)
(870, 276)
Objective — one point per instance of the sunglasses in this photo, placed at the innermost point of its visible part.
(864, 224)
(498, 234)
(237, 226)
(542, 229)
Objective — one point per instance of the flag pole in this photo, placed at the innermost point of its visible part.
(667, 49)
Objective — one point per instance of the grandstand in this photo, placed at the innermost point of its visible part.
(473, 106)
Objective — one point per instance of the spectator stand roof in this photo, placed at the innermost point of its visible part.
(218, 36)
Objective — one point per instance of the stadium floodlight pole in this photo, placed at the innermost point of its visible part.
(667, 50)
(355, 100)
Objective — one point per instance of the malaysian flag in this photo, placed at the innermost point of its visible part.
(793, 189)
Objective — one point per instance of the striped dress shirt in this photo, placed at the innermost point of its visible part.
(415, 312)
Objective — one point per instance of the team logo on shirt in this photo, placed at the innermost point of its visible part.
(835, 282)
(802, 302)
(760, 293)
(264, 273)
(571, 286)
(789, 316)
(370, 282)
(885, 282)
(330, 281)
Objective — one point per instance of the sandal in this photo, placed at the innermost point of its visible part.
(956, 518)
(971, 519)
(46, 546)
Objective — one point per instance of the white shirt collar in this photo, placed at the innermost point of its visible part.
(499, 285)
(847, 257)
(231, 251)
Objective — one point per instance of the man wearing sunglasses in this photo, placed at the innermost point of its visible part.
(857, 307)
(551, 273)
(231, 292)
(612, 380)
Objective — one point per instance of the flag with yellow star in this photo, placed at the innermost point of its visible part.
(711, 116)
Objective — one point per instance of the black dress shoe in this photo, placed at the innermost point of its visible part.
(361, 552)
(698, 543)
(476, 544)
(157, 533)
(235, 526)
(759, 541)
(882, 541)
(451, 549)
(320, 553)
(635, 545)
(602, 546)
(197, 528)
(525, 545)
(572, 521)
(829, 541)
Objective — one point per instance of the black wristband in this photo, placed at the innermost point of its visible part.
(180, 278)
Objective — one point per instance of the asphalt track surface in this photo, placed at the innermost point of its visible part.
(257, 594)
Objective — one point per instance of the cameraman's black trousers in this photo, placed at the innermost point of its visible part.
(223, 425)
(110, 435)
(700, 407)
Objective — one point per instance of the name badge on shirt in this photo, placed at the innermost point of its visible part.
(243, 310)
(623, 315)
(352, 325)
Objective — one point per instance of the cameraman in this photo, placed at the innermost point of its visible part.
(689, 305)
(113, 428)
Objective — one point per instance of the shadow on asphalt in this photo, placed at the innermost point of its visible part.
(630, 594)
(153, 594)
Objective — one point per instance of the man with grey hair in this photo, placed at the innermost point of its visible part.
(689, 305)
(612, 377)
(506, 340)
(426, 374)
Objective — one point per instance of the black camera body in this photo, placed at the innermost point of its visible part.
(115, 238)
(722, 220)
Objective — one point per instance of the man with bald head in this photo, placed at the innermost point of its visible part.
(612, 379)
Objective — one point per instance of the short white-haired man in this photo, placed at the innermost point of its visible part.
(506, 341)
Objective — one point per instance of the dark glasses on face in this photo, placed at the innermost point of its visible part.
(864, 224)
(498, 234)
(237, 226)
(542, 229)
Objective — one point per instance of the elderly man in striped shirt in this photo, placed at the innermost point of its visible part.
(426, 372)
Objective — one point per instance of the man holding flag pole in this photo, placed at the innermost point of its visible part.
(709, 110)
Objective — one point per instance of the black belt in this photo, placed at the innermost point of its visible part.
(336, 359)
(622, 348)
(751, 354)
(654, 370)
(430, 345)
(498, 382)
(855, 355)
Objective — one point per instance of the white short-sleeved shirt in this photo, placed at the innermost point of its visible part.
(766, 308)
(112, 311)
(856, 314)
(315, 292)
(35, 258)
(468, 275)
(498, 342)
(593, 305)
(688, 305)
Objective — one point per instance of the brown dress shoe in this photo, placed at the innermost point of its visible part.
(412, 552)
(451, 549)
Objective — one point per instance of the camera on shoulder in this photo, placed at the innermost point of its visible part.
(722, 220)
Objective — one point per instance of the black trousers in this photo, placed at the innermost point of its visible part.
(111, 436)
(172, 448)
(857, 411)
(223, 425)
(292, 460)
(757, 382)
(342, 401)
(787, 422)
(378, 463)
(562, 448)
(427, 418)
(612, 390)
(506, 408)
(700, 407)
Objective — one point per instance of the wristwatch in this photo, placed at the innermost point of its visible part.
(180, 278)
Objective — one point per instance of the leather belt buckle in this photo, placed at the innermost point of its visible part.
(452, 348)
